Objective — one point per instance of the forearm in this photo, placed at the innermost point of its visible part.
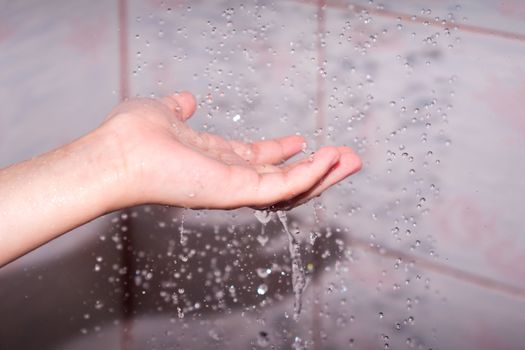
(46, 196)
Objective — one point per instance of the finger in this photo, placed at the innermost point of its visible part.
(182, 103)
(349, 163)
(211, 141)
(269, 151)
(247, 187)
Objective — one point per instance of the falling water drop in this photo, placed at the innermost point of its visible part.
(264, 217)
(313, 236)
(263, 272)
(262, 289)
(263, 340)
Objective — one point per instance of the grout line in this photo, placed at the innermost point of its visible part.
(321, 58)
(320, 140)
(123, 49)
(440, 268)
(422, 20)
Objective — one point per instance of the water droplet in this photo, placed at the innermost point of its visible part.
(304, 147)
(263, 216)
(311, 157)
(313, 236)
(262, 289)
(262, 240)
(298, 344)
(263, 272)
(262, 339)
(98, 305)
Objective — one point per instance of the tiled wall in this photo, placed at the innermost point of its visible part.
(426, 248)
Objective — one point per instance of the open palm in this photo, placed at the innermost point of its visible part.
(167, 162)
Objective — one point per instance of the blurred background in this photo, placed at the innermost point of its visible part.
(423, 249)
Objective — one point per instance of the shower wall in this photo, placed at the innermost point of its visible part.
(422, 249)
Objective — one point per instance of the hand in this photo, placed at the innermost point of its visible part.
(166, 162)
(145, 153)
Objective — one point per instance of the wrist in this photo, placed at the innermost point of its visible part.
(106, 163)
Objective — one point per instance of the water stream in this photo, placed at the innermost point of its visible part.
(298, 274)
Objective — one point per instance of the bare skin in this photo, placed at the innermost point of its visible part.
(145, 153)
